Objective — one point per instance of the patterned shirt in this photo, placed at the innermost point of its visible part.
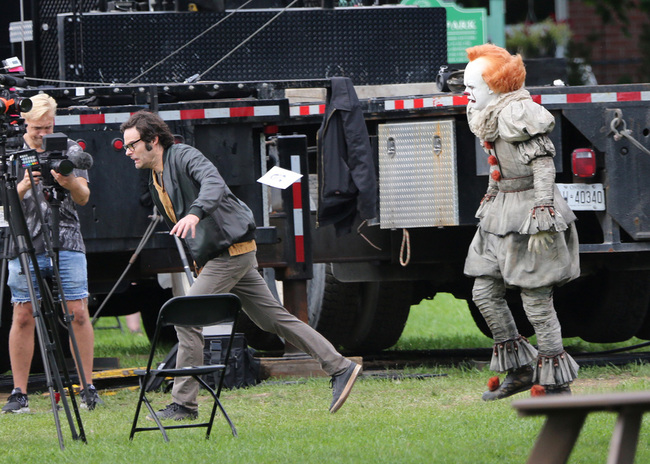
(69, 227)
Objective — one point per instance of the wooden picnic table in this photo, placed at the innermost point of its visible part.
(567, 413)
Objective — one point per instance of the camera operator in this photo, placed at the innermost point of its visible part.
(72, 260)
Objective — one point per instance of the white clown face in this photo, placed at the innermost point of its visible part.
(479, 95)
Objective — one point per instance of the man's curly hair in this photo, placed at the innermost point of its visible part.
(504, 72)
(150, 126)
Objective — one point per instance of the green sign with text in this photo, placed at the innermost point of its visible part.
(465, 27)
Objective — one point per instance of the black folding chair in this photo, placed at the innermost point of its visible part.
(189, 311)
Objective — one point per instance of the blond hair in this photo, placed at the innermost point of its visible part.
(42, 104)
(504, 72)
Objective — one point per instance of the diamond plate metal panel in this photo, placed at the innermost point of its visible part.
(48, 33)
(371, 45)
(418, 185)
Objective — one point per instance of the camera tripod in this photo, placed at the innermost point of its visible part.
(45, 315)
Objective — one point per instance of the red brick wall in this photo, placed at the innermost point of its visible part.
(615, 57)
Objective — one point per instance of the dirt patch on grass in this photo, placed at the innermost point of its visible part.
(609, 382)
(604, 382)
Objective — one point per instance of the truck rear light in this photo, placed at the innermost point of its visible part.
(583, 162)
(118, 144)
(82, 144)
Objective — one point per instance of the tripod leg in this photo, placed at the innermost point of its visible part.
(155, 219)
(45, 347)
(3, 269)
(48, 346)
(54, 305)
(50, 300)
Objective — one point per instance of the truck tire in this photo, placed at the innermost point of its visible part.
(359, 317)
(613, 305)
(644, 329)
(569, 302)
(332, 305)
(381, 315)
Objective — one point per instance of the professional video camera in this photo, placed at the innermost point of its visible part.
(63, 163)
(12, 125)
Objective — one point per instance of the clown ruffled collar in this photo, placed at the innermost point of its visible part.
(485, 123)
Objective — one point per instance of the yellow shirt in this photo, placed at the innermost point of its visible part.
(164, 197)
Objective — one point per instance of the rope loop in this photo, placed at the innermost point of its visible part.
(406, 246)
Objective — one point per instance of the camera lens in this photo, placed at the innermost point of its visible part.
(15, 105)
(63, 167)
(23, 104)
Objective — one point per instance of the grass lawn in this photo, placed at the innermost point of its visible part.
(435, 419)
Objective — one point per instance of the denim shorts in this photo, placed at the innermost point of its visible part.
(72, 268)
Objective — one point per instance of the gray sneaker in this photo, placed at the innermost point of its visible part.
(342, 386)
(16, 403)
(175, 411)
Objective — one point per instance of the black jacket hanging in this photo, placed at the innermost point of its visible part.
(347, 180)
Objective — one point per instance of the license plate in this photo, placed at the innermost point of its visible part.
(584, 197)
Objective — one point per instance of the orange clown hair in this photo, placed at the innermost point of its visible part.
(504, 72)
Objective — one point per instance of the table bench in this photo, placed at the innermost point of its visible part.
(566, 414)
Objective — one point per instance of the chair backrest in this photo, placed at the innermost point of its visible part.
(200, 310)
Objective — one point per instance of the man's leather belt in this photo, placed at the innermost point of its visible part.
(239, 249)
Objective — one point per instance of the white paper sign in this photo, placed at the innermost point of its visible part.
(279, 178)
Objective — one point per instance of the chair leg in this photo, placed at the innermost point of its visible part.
(212, 414)
(135, 420)
(137, 410)
(155, 418)
(225, 414)
(143, 399)
(214, 408)
(119, 324)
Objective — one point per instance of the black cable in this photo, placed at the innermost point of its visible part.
(614, 350)
(188, 43)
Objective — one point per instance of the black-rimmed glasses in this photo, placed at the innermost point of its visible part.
(130, 146)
